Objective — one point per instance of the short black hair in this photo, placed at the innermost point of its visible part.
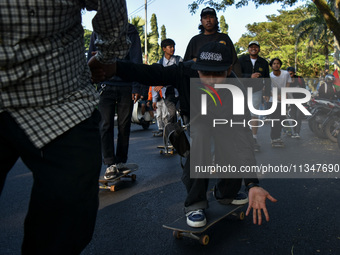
(291, 69)
(167, 42)
(272, 61)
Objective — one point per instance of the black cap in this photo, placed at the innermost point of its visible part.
(213, 57)
(207, 11)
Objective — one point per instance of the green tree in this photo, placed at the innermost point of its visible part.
(332, 22)
(314, 28)
(223, 25)
(163, 37)
(277, 39)
(87, 39)
(153, 37)
(163, 33)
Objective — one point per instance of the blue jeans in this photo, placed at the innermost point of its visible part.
(64, 198)
(115, 99)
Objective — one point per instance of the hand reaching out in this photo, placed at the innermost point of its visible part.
(257, 201)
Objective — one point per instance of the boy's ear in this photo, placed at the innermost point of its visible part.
(229, 70)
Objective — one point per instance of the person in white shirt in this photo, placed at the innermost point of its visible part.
(165, 101)
(279, 78)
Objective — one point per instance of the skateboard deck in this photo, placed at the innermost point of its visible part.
(214, 214)
(112, 184)
(156, 133)
(278, 145)
(166, 149)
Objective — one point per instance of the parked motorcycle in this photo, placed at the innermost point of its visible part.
(141, 119)
(319, 113)
(331, 125)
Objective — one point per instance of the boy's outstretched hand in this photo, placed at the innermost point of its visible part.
(257, 201)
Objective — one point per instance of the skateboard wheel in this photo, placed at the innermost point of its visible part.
(204, 240)
(241, 216)
(161, 151)
(133, 177)
(172, 152)
(113, 188)
(177, 234)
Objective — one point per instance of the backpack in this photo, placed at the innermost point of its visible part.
(177, 136)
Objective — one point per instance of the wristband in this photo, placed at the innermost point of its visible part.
(251, 185)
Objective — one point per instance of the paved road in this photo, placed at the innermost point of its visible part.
(305, 220)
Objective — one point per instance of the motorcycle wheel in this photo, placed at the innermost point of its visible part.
(318, 130)
(331, 130)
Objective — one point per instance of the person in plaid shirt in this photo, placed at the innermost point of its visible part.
(48, 116)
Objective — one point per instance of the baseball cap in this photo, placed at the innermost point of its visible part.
(213, 57)
(207, 11)
(253, 42)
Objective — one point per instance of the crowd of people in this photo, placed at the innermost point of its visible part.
(49, 116)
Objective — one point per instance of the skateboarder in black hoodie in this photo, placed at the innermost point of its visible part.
(212, 66)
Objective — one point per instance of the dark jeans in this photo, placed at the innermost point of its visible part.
(197, 189)
(64, 199)
(226, 188)
(112, 99)
(276, 126)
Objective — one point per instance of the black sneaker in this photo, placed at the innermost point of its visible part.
(196, 219)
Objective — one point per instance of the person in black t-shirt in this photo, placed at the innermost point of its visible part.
(209, 32)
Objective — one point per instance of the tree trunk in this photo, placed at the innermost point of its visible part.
(329, 16)
(336, 42)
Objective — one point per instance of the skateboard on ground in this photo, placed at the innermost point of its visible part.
(112, 184)
(214, 214)
(166, 149)
(157, 133)
(278, 145)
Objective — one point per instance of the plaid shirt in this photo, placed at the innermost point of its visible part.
(44, 77)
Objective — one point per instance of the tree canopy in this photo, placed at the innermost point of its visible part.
(277, 38)
(332, 21)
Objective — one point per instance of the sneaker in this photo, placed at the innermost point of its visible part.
(256, 145)
(122, 168)
(240, 199)
(296, 135)
(111, 172)
(196, 219)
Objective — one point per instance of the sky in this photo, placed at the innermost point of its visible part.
(181, 26)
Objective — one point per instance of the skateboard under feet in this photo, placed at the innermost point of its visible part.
(215, 213)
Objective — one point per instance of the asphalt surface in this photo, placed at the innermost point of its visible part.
(305, 220)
